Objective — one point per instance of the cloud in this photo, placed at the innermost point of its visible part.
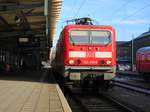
(131, 22)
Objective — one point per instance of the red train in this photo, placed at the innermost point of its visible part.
(86, 53)
(143, 61)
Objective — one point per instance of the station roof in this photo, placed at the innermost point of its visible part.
(28, 17)
(145, 34)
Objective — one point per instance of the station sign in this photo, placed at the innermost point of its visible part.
(23, 40)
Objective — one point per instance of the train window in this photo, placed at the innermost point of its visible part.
(79, 37)
(100, 37)
(143, 57)
(148, 57)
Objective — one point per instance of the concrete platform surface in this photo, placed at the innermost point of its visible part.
(23, 96)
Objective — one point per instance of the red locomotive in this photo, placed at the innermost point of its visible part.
(143, 61)
(86, 53)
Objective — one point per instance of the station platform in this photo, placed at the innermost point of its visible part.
(30, 96)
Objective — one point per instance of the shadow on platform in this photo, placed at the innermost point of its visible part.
(44, 76)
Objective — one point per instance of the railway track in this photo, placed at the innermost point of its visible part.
(132, 87)
(96, 102)
(131, 76)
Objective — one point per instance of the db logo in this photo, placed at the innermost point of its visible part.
(90, 54)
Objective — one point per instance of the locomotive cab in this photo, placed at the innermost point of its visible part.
(86, 53)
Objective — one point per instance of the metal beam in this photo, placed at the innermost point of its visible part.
(7, 3)
(29, 11)
(23, 24)
(15, 7)
(35, 14)
(22, 33)
(7, 25)
(35, 48)
(34, 23)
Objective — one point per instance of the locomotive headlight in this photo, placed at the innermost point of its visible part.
(71, 61)
(108, 62)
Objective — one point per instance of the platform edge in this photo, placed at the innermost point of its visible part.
(64, 102)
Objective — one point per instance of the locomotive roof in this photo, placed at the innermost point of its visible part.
(88, 26)
(143, 49)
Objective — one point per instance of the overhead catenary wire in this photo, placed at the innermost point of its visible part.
(137, 11)
(74, 5)
(121, 7)
(81, 5)
(134, 13)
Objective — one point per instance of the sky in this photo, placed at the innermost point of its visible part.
(130, 18)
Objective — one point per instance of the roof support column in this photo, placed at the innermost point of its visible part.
(46, 13)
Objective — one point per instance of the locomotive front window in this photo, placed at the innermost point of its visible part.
(79, 37)
(90, 37)
(100, 37)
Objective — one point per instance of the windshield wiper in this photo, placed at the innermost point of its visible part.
(73, 43)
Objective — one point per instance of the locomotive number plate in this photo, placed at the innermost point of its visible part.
(74, 76)
(90, 62)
